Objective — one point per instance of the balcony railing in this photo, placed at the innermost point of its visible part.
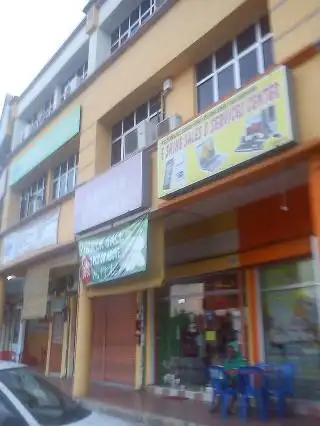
(45, 114)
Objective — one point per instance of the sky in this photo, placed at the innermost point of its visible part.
(31, 31)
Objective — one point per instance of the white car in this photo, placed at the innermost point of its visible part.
(28, 399)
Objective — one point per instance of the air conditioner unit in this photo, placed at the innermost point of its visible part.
(144, 135)
(168, 125)
(72, 284)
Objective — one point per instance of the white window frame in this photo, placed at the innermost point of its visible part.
(71, 167)
(133, 27)
(150, 116)
(31, 195)
(235, 61)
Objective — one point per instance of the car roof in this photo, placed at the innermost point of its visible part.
(7, 365)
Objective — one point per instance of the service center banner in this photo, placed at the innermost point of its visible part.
(116, 254)
(254, 121)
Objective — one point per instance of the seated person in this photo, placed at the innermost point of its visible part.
(232, 363)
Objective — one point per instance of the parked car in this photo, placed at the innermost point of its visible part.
(28, 398)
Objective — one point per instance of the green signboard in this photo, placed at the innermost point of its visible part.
(119, 253)
(50, 142)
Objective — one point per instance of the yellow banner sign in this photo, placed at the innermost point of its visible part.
(253, 122)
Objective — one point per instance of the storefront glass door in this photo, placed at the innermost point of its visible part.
(194, 323)
(291, 320)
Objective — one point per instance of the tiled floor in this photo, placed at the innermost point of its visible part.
(185, 410)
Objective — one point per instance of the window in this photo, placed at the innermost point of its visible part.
(64, 177)
(33, 198)
(234, 64)
(132, 23)
(290, 299)
(45, 402)
(149, 110)
(9, 415)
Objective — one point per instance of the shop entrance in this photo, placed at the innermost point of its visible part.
(194, 323)
(58, 319)
(36, 343)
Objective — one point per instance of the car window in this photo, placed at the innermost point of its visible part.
(45, 402)
(9, 414)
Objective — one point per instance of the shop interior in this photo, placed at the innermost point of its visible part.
(27, 340)
(195, 319)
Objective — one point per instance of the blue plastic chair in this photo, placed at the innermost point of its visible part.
(221, 388)
(284, 388)
(218, 381)
(250, 387)
(279, 383)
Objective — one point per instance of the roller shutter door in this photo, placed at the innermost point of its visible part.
(114, 341)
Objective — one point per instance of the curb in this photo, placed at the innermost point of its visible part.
(134, 416)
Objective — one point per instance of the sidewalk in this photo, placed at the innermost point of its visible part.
(149, 409)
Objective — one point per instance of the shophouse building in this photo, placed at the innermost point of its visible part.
(161, 182)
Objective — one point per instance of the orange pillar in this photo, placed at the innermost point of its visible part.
(314, 192)
(314, 201)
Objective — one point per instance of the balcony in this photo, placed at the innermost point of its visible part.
(38, 121)
(43, 116)
(72, 86)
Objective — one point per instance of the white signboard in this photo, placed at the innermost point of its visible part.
(123, 189)
(37, 234)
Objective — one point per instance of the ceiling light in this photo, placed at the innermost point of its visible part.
(181, 301)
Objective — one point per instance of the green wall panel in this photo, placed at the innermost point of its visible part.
(54, 139)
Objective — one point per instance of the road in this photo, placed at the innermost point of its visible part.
(113, 421)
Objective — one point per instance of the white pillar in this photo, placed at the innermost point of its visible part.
(99, 49)
(17, 135)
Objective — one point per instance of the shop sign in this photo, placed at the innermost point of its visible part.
(123, 189)
(119, 253)
(37, 234)
(48, 144)
(253, 122)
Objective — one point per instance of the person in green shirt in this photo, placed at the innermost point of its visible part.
(234, 359)
(232, 363)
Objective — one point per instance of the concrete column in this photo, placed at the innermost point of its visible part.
(72, 334)
(150, 338)
(99, 49)
(17, 134)
(47, 369)
(95, 152)
(81, 381)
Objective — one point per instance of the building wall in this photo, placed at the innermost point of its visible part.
(295, 25)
